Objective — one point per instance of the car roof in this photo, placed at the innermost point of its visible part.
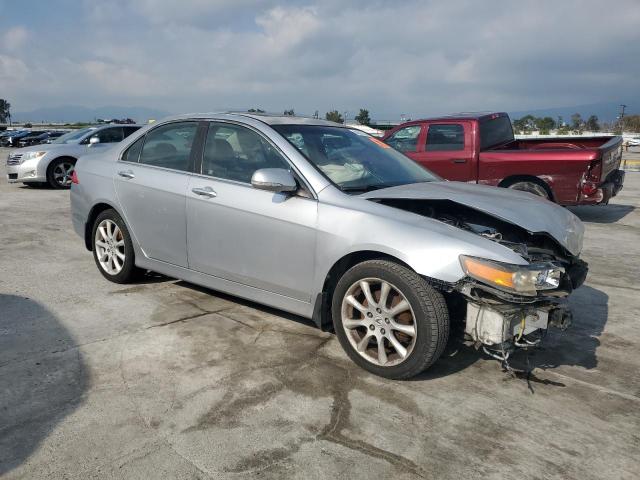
(268, 118)
(461, 116)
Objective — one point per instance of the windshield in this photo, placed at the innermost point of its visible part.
(73, 137)
(352, 160)
(494, 131)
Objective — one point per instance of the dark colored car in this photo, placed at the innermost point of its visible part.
(12, 139)
(34, 138)
(481, 148)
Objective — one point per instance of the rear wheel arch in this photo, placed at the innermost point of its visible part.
(507, 182)
(96, 210)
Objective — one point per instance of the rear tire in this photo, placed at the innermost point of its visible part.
(59, 172)
(112, 248)
(530, 186)
(389, 320)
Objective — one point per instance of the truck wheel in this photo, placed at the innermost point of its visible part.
(389, 320)
(59, 172)
(531, 187)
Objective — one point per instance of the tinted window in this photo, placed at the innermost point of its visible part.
(132, 153)
(110, 135)
(233, 152)
(495, 131)
(129, 130)
(445, 137)
(405, 139)
(169, 146)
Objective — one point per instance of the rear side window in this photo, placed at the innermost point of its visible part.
(169, 146)
(405, 139)
(234, 153)
(132, 154)
(495, 131)
(445, 137)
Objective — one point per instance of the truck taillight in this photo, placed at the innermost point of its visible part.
(589, 188)
(74, 178)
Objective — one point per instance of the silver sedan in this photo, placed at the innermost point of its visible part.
(330, 223)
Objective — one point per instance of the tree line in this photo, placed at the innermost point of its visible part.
(544, 125)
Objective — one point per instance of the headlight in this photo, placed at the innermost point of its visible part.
(32, 155)
(522, 279)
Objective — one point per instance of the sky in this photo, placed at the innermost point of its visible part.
(391, 57)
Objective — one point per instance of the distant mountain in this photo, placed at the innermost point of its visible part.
(606, 112)
(74, 113)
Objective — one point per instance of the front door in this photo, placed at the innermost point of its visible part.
(262, 239)
(448, 151)
(151, 181)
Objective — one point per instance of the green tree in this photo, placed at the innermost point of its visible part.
(524, 124)
(576, 122)
(545, 125)
(631, 123)
(363, 117)
(255, 110)
(289, 112)
(5, 113)
(334, 116)
(592, 124)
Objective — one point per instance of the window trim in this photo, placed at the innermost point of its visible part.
(197, 171)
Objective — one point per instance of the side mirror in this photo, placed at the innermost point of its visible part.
(94, 140)
(274, 180)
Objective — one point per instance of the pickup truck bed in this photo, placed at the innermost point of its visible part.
(481, 148)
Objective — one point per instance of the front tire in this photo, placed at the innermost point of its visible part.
(59, 172)
(389, 320)
(112, 248)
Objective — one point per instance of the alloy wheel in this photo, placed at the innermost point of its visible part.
(379, 322)
(62, 173)
(109, 245)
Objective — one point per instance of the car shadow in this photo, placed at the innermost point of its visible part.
(42, 377)
(576, 346)
(602, 213)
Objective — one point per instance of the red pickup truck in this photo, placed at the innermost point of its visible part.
(481, 148)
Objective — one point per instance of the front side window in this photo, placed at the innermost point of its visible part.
(405, 139)
(234, 153)
(353, 161)
(445, 137)
(110, 135)
(169, 146)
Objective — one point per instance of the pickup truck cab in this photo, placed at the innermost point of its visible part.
(481, 148)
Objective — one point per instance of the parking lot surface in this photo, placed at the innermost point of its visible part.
(163, 379)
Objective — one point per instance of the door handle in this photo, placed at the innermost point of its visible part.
(459, 160)
(205, 192)
(126, 174)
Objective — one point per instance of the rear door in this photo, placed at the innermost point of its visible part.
(447, 150)
(253, 237)
(151, 180)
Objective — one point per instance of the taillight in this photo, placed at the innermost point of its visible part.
(74, 177)
(591, 179)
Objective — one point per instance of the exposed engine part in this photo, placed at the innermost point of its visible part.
(561, 318)
(492, 325)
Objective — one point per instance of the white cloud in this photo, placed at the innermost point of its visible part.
(409, 57)
(15, 38)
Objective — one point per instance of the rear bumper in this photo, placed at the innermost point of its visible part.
(606, 190)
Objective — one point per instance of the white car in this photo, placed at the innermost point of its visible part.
(53, 163)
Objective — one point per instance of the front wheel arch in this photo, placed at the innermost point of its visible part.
(55, 160)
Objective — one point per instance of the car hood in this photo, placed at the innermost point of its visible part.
(534, 214)
(45, 147)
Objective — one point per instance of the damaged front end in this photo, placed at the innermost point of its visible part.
(506, 306)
